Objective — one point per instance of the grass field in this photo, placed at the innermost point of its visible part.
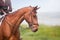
(44, 33)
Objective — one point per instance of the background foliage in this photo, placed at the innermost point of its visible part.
(45, 32)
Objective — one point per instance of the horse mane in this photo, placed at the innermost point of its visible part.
(10, 15)
(29, 7)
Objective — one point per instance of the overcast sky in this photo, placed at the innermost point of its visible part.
(49, 13)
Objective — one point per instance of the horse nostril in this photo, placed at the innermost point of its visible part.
(34, 30)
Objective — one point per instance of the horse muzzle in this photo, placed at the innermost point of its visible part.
(34, 28)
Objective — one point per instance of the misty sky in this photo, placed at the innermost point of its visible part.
(49, 13)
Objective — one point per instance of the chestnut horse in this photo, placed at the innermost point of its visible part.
(9, 29)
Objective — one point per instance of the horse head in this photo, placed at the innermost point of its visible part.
(11, 22)
(31, 18)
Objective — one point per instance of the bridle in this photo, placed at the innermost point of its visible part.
(31, 23)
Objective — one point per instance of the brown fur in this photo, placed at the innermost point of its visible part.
(9, 30)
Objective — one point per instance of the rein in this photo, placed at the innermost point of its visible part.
(12, 25)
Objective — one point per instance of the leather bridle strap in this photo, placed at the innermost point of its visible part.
(31, 23)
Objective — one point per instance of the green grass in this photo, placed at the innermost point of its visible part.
(44, 33)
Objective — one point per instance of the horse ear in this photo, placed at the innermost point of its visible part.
(36, 7)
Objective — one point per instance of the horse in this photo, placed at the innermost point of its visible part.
(9, 29)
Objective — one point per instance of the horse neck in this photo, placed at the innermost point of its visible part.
(20, 20)
(16, 17)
